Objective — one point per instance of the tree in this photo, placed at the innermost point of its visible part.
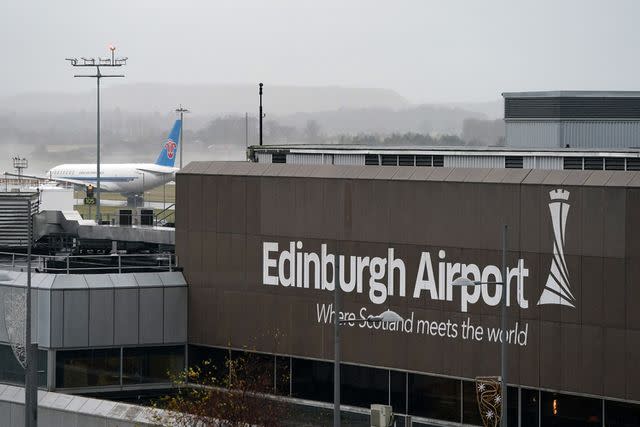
(312, 131)
(234, 396)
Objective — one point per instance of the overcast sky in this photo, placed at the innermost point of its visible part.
(427, 51)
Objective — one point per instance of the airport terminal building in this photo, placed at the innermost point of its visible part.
(258, 244)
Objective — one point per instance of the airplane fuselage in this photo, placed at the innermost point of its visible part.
(124, 178)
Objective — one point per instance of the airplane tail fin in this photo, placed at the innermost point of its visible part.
(169, 152)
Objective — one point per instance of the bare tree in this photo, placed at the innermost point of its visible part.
(234, 396)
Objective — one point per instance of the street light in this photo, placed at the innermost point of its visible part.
(181, 111)
(99, 62)
(385, 317)
(464, 281)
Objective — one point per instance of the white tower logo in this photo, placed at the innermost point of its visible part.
(556, 290)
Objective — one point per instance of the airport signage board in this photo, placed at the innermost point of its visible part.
(264, 249)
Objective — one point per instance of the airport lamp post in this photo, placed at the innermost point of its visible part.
(98, 62)
(464, 281)
(260, 114)
(181, 111)
(30, 377)
(386, 317)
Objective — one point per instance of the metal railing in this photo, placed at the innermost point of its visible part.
(79, 264)
(165, 214)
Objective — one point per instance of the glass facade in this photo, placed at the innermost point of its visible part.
(434, 397)
(151, 364)
(102, 367)
(12, 372)
(426, 397)
(88, 368)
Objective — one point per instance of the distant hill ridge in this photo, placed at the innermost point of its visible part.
(209, 99)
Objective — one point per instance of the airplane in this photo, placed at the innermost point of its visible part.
(128, 179)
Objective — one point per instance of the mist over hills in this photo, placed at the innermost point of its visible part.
(53, 128)
(207, 99)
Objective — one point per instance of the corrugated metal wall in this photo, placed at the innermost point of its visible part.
(348, 159)
(602, 134)
(264, 157)
(474, 161)
(577, 134)
(532, 134)
(304, 159)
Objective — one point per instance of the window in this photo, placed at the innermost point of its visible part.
(216, 356)
(88, 368)
(593, 163)
(362, 386)
(12, 372)
(573, 163)
(434, 397)
(151, 364)
(470, 409)
(399, 392)
(406, 160)
(279, 158)
(371, 159)
(570, 411)
(614, 164)
(312, 380)
(422, 160)
(283, 375)
(513, 162)
(389, 160)
(438, 161)
(620, 414)
(633, 163)
(530, 407)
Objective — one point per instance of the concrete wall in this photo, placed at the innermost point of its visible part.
(63, 410)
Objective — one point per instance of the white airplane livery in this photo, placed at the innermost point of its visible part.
(125, 178)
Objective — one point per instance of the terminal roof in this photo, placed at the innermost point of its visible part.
(573, 94)
(599, 178)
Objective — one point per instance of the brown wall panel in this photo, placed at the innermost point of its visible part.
(223, 221)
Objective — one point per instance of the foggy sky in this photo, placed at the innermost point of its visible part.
(427, 51)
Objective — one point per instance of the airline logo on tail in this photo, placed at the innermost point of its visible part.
(170, 146)
(167, 156)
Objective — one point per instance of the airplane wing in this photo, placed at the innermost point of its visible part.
(157, 172)
(105, 186)
(46, 178)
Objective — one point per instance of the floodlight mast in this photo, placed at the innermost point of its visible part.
(181, 111)
(92, 62)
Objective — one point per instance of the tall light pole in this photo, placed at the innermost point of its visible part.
(386, 317)
(97, 63)
(181, 111)
(30, 378)
(260, 114)
(464, 281)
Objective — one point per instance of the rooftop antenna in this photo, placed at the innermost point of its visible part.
(260, 112)
(93, 62)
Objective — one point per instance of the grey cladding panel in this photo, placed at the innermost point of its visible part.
(175, 315)
(126, 317)
(44, 313)
(57, 318)
(4, 291)
(76, 318)
(151, 316)
(101, 317)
